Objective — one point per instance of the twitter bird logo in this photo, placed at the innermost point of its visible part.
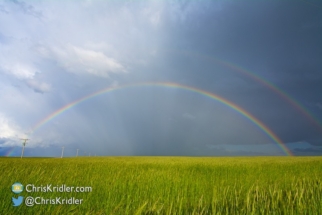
(18, 201)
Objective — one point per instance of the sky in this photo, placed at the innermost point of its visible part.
(177, 78)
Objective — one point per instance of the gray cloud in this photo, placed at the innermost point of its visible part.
(308, 151)
(3, 9)
(314, 150)
(28, 9)
(39, 87)
(75, 49)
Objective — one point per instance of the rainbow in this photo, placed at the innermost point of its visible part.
(10, 151)
(285, 96)
(213, 96)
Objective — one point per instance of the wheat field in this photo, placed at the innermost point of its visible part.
(168, 185)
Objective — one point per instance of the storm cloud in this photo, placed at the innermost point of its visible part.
(243, 55)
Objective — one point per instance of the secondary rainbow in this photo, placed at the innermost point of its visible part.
(213, 96)
(285, 96)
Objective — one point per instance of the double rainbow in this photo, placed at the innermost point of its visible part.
(213, 96)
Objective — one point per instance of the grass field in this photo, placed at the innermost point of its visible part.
(169, 185)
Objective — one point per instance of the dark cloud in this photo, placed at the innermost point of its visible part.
(315, 142)
(208, 45)
(308, 151)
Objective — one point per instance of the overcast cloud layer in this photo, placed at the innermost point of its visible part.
(53, 53)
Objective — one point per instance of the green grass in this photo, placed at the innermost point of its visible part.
(170, 185)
